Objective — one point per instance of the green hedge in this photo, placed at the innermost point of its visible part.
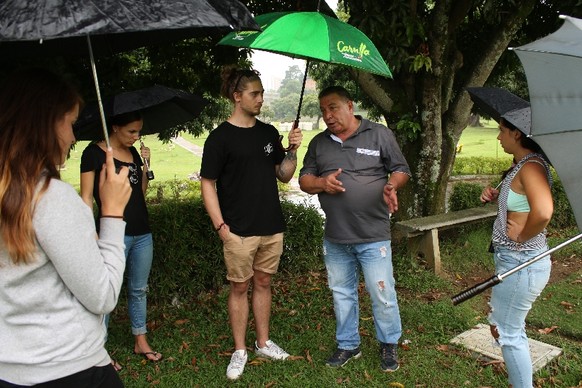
(188, 252)
(466, 195)
(480, 165)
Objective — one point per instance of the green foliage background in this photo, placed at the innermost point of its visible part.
(188, 258)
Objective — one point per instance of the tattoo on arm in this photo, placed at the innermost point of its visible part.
(288, 166)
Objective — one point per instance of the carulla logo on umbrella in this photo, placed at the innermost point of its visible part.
(349, 51)
(241, 35)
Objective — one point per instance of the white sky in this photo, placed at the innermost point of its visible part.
(274, 65)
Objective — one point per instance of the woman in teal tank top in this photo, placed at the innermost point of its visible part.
(525, 209)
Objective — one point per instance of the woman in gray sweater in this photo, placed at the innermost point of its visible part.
(57, 278)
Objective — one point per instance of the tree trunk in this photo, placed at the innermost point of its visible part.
(440, 99)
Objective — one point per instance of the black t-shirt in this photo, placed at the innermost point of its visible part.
(136, 213)
(242, 161)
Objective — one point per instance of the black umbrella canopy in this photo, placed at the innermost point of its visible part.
(60, 27)
(80, 27)
(160, 106)
(500, 103)
(495, 102)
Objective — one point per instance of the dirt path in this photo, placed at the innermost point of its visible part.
(193, 148)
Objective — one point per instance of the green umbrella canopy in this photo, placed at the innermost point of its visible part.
(312, 36)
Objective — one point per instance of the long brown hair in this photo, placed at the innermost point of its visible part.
(31, 103)
(236, 80)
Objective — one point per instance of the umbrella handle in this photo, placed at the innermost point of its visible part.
(149, 173)
(290, 147)
(281, 144)
(475, 290)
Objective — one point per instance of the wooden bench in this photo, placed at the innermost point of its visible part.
(422, 233)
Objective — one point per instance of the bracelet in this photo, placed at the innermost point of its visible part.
(220, 227)
(107, 216)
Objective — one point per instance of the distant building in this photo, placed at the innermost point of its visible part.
(271, 83)
(310, 84)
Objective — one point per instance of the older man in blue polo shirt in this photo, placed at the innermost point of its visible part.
(356, 167)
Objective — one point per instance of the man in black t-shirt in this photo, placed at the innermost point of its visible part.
(241, 163)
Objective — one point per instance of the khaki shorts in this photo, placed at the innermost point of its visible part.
(244, 255)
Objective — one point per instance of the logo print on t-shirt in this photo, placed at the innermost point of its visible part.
(268, 149)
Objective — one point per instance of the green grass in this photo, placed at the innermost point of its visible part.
(481, 141)
(196, 342)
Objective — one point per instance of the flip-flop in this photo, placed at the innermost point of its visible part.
(117, 366)
(157, 356)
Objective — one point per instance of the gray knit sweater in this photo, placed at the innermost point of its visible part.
(51, 311)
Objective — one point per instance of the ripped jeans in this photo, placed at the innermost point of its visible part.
(343, 262)
(510, 303)
(139, 253)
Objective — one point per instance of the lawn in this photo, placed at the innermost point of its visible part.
(481, 141)
(194, 334)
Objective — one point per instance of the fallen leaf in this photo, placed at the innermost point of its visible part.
(547, 330)
(308, 356)
(257, 361)
(443, 348)
(493, 362)
(395, 384)
(567, 305)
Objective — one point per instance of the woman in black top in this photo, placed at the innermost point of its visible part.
(124, 132)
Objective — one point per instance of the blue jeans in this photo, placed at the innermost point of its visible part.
(139, 252)
(343, 262)
(510, 303)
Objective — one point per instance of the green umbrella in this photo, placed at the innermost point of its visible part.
(311, 36)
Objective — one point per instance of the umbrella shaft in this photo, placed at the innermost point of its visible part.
(99, 102)
(538, 257)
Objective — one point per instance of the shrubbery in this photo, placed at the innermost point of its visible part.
(188, 252)
(466, 195)
(480, 165)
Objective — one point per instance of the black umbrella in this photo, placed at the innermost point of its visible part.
(72, 26)
(495, 102)
(161, 108)
(57, 27)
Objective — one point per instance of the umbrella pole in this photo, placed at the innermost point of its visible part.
(301, 95)
(496, 279)
(96, 82)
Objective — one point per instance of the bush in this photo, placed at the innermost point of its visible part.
(563, 214)
(465, 196)
(480, 165)
(188, 255)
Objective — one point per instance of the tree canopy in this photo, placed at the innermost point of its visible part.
(435, 50)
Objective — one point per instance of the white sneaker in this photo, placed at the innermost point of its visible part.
(272, 351)
(237, 364)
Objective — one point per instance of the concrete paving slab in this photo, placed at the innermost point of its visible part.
(479, 340)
